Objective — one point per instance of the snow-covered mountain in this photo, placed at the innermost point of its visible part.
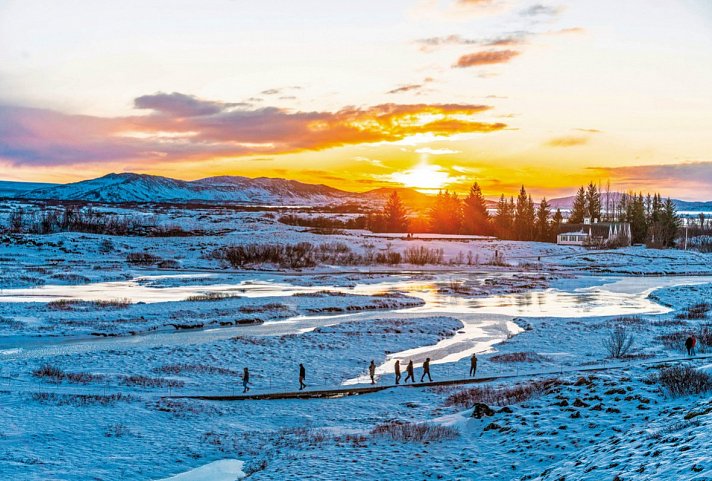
(129, 187)
(565, 203)
(10, 189)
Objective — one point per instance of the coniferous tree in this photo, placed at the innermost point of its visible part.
(503, 219)
(524, 216)
(395, 217)
(669, 224)
(476, 219)
(636, 217)
(542, 228)
(593, 202)
(578, 210)
(556, 222)
(446, 214)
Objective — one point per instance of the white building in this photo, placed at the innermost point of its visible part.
(594, 234)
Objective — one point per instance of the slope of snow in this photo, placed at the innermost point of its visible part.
(223, 470)
(129, 187)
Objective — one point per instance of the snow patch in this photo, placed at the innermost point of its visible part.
(222, 470)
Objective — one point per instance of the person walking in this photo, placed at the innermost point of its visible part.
(397, 371)
(302, 376)
(473, 365)
(245, 380)
(426, 371)
(410, 371)
(690, 343)
(372, 371)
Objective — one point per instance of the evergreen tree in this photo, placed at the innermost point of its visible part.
(446, 214)
(636, 217)
(556, 222)
(476, 219)
(524, 216)
(503, 219)
(395, 217)
(670, 222)
(542, 228)
(578, 210)
(593, 202)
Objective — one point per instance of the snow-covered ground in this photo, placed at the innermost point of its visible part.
(90, 344)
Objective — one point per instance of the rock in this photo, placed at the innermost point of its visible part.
(506, 409)
(492, 426)
(579, 403)
(481, 410)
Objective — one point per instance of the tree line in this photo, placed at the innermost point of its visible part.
(513, 219)
(653, 221)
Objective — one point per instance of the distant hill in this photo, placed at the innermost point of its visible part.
(10, 189)
(565, 203)
(410, 197)
(129, 187)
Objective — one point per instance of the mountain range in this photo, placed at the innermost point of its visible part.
(141, 188)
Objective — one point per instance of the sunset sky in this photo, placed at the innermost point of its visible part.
(362, 94)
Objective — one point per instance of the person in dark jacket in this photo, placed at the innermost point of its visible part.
(426, 371)
(372, 371)
(410, 371)
(245, 380)
(690, 343)
(397, 371)
(473, 365)
(302, 376)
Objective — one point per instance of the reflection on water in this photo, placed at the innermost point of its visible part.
(610, 296)
(487, 320)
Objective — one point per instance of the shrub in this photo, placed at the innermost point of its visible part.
(55, 374)
(176, 369)
(210, 296)
(142, 258)
(293, 256)
(81, 400)
(619, 342)
(144, 381)
(50, 372)
(684, 381)
(415, 432)
(79, 304)
(695, 311)
(519, 357)
(501, 396)
(676, 340)
(423, 255)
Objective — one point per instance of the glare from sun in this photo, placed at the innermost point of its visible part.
(424, 176)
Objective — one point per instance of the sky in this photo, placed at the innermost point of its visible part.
(430, 94)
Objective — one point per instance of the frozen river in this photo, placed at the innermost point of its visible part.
(487, 320)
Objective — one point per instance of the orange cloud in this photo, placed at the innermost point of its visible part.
(182, 127)
(567, 141)
(485, 58)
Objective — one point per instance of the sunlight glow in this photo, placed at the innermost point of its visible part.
(424, 176)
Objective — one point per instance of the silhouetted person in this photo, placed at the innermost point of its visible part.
(410, 371)
(245, 380)
(690, 343)
(397, 371)
(473, 365)
(302, 376)
(426, 371)
(372, 371)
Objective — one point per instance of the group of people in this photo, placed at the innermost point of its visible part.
(410, 371)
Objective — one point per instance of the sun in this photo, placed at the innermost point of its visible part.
(424, 176)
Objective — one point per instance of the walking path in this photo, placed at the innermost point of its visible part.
(358, 390)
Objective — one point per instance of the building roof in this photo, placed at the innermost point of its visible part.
(599, 229)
